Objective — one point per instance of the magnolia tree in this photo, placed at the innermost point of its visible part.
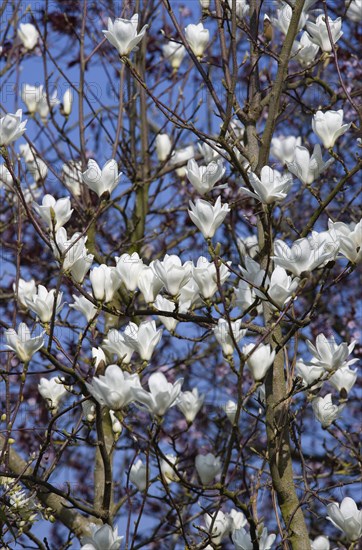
(181, 234)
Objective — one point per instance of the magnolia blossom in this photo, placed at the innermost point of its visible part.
(320, 543)
(319, 33)
(72, 176)
(53, 391)
(22, 343)
(242, 540)
(138, 475)
(209, 150)
(189, 403)
(149, 283)
(115, 344)
(223, 336)
(327, 354)
(34, 164)
(163, 304)
(260, 359)
(103, 538)
(181, 156)
(42, 303)
(230, 410)
(25, 289)
(208, 467)
(67, 102)
(203, 178)
(54, 212)
(311, 374)
(350, 239)
(241, 8)
(28, 35)
(305, 50)
(344, 378)
(37, 101)
(189, 296)
(143, 338)
(162, 395)
(168, 468)
(105, 281)
(207, 278)
(116, 424)
(347, 518)
(308, 167)
(281, 287)
(102, 181)
(270, 187)
(163, 146)
(221, 525)
(172, 272)
(207, 217)
(174, 53)
(98, 357)
(354, 12)
(72, 254)
(282, 148)
(129, 267)
(6, 179)
(245, 295)
(198, 38)
(84, 306)
(329, 126)
(284, 16)
(11, 127)
(305, 254)
(325, 411)
(123, 35)
(115, 388)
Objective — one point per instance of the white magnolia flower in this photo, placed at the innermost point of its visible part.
(329, 126)
(260, 360)
(189, 296)
(163, 304)
(305, 254)
(102, 181)
(116, 424)
(284, 16)
(325, 411)
(174, 53)
(238, 519)
(198, 38)
(242, 539)
(72, 176)
(115, 344)
(42, 303)
(28, 35)
(241, 8)
(123, 35)
(320, 543)
(34, 164)
(37, 100)
(149, 283)
(115, 388)
(163, 146)
(222, 335)
(230, 410)
(282, 148)
(22, 343)
(54, 212)
(84, 306)
(190, 403)
(26, 289)
(311, 374)
(209, 150)
(281, 286)
(162, 395)
(354, 11)
(143, 338)
(305, 50)
(207, 217)
(98, 357)
(129, 267)
(168, 468)
(203, 178)
(11, 127)
(319, 33)
(73, 254)
(344, 378)
(181, 156)
(53, 391)
(270, 187)
(327, 354)
(103, 538)
(138, 475)
(244, 295)
(221, 525)
(350, 239)
(206, 276)
(6, 179)
(105, 281)
(208, 467)
(347, 518)
(308, 167)
(172, 273)
(67, 102)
